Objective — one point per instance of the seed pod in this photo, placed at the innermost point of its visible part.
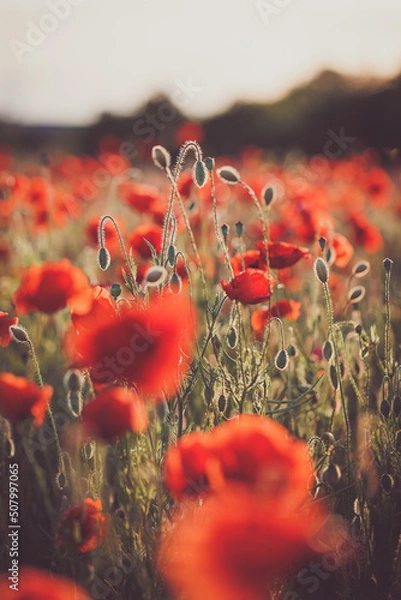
(267, 195)
(388, 264)
(332, 475)
(209, 163)
(19, 333)
(291, 350)
(199, 174)
(387, 483)
(322, 243)
(171, 255)
(385, 408)
(161, 157)
(232, 338)
(224, 230)
(115, 290)
(356, 294)
(103, 258)
(155, 276)
(361, 268)
(229, 175)
(328, 350)
(333, 376)
(281, 360)
(239, 228)
(321, 270)
(175, 284)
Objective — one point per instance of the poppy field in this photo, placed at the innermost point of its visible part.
(200, 379)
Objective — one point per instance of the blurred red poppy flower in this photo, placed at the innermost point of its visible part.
(51, 286)
(251, 259)
(19, 399)
(83, 526)
(147, 231)
(140, 196)
(282, 254)
(113, 412)
(343, 250)
(257, 522)
(366, 234)
(251, 286)
(34, 584)
(189, 130)
(5, 324)
(143, 345)
(290, 309)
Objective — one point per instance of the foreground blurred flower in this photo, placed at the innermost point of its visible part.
(5, 324)
(83, 526)
(143, 345)
(19, 399)
(113, 412)
(251, 286)
(290, 309)
(51, 287)
(34, 584)
(255, 524)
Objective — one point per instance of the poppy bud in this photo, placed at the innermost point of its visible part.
(267, 195)
(229, 175)
(387, 483)
(175, 284)
(358, 329)
(171, 255)
(321, 270)
(291, 350)
(385, 408)
(161, 157)
(155, 276)
(281, 360)
(388, 264)
(328, 439)
(72, 381)
(331, 475)
(115, 290)
(222, 403)
(232, 338)
(103, 258)
(327, 350)
(361, 268)
(19, 333)
(333, 376)
(356, 294)
(199, 174)
(209, 163)
(322, 243)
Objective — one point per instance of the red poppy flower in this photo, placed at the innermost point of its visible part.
(190, 130)
(102, 307)
(146, 346)
(251, 259)
(282, 254)
(50, 287)
(147, 231)
(19, 399)
(251, 286)
(113, 412)
(290, 309)
(34, 584)
(5, 324)
(83, 526)
(343, 250)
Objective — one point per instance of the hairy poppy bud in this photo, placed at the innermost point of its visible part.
(155, 276)
(328, 350)
(229, 175)
(267, 195)
(209, 163)
(199, 174)
(322, 243)
(321, 270)
(388, 264)
(281, 360)
(239, 228)
(385, 408)
(171, 255)
(19, 333)
(333, 376)
(232, 338)
(175, 284)
(103, 258)
(224, 230)
(361, 268)
(356, 294)
(115, 290)
(161, 157)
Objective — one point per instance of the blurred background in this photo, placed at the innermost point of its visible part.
(280, 74)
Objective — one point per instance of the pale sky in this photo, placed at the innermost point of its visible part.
(82, 57)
